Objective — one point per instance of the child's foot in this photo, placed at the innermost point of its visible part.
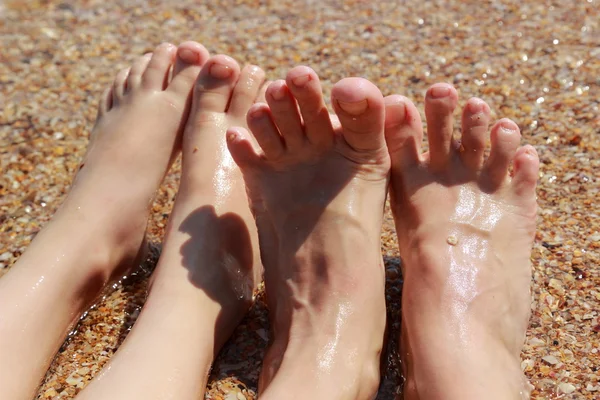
(465, 230)
(210, 263)
(318, 193)
(136, 137)
(100, 227)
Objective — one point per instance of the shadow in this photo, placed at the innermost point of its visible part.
(392, 379)
(219, 258)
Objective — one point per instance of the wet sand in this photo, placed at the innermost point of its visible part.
(535, 62)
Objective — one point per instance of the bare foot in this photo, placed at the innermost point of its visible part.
(318, 193)
(210, 264)
(465, 230)
(99, 229)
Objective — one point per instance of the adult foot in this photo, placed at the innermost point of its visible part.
(210, 264)
(465, 230)
(99, 229)
(317, 193)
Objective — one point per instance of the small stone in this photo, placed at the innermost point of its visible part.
(452, 240)
(566, 388)
(551, 360)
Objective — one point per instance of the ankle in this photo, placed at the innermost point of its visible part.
(492, 373)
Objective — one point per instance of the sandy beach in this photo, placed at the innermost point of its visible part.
(537, 63)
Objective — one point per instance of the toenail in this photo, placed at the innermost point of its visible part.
(354, 107)
(301, 80)
(476, 106)
(507, 129)
(395, 114)
(278, 93)
(257, 113)
(220, 71)
(188, 56)
(439, 91)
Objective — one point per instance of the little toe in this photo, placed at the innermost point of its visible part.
(190, 58)
(264, 130)
(526, 168)
(304, 85)
(156, 75)
(246, 91)
(137, 69)
(475, 124)
(215, 84)
(285, 114)
(119, 86)
(440, 102)
(403, 131)
(505, 138)
(359, 105)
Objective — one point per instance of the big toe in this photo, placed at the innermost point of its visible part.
(190, 58)
(440, 102)
(505, 138)
(214, 86)
(360, 108)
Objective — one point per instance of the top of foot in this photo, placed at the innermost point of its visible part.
(318, 192)
(465, 230)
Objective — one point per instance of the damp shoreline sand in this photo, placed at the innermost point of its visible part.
(537, 63)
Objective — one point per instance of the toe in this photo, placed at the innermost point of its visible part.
(240, 147)
(215, 84)
(475, 123)
(285, 114)
(403, 130)
(246, 91)
(265, 131)
(119, 85)
(359, 105)
(505, 138)
(156, 75)
(304, 85)
(105, 102)
(189, 60)
(262, 92)
(440, 102)
(137, 69)
(526, 168)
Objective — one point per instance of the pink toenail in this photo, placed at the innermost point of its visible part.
(279, 93)
(355, 107)
(221, 71)
(395, 114)
(257, 113)
(301, 80)
(439, 91)
(476, 106)
(188, 56)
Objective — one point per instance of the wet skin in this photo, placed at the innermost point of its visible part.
(210, 264)
(465, 231)
(317, 192)
(98, 232)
